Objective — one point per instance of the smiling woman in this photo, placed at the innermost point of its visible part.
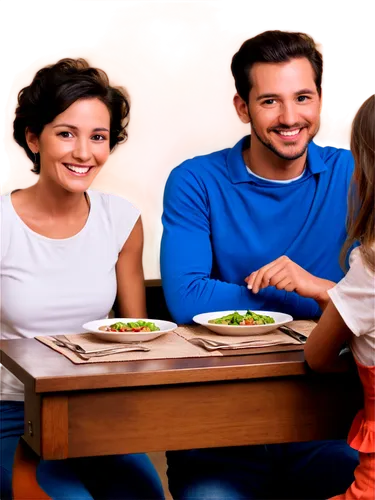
(55, 88)
(75, 145)
(67, 254)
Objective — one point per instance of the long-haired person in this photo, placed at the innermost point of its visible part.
(349, 315)
(349, 306)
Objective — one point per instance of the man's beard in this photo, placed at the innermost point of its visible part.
(283, 156)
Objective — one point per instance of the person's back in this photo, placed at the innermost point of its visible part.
(229, 213)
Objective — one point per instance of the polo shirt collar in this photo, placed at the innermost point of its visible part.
(237, 167)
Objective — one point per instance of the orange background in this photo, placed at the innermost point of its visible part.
(181, 106)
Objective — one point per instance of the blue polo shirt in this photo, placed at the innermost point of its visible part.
(221, 223)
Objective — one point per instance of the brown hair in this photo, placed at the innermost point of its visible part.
(274, 47)
(361, 202)
(54, 88)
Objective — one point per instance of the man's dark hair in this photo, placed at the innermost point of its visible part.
(274, 47)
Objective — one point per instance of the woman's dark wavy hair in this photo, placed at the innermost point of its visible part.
(274, 47)
(55, 88)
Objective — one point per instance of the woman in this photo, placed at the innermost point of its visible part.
(67, 254)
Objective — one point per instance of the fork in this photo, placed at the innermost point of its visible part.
(80, 349)
(98, 352)
(214, 346)
(221, 343)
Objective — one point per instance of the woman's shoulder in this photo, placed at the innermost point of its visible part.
(5, 200)
(6, 220)
(111, 203)
(6, 211)
(114, 213)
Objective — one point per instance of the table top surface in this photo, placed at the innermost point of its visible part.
(33, 362)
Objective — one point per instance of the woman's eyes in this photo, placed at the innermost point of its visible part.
(68, 135)
(65, 134)
(98, 137)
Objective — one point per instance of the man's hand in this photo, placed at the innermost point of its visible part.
(284, 274)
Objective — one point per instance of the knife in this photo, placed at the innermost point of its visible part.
(292, 333)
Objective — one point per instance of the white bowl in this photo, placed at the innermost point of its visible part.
(93, 327)
(280, 319)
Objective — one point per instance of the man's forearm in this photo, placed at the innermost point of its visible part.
(186, 299)
(191, 297)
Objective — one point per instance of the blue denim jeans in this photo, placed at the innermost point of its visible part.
(313, 470)
(120, 477)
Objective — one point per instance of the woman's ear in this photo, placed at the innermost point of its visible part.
(32, 141)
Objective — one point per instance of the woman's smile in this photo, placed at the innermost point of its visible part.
(80, 170)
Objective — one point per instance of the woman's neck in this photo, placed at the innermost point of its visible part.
(55, 201)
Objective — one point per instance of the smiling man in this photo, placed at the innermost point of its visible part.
(284, 117)
(228, 214)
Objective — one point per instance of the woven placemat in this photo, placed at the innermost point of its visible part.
(174, 345)
(168, 346)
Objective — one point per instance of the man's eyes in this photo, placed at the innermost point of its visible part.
(271, 102)
(303, 98)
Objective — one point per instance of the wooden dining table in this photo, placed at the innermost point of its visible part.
(156, 405)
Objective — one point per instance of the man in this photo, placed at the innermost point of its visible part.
(275, 196)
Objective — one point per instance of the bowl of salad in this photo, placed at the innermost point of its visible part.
(242, 322)
(129, 329)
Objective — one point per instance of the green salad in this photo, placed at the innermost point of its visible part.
(250, 318)
(132, 326)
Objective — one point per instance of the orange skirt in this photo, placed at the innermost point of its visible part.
(363, 487)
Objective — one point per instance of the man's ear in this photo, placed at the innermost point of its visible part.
(32, 141)
(241, 108)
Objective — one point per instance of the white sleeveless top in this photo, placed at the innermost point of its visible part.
(51, 286)
(354, 298)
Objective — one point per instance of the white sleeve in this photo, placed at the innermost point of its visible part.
(5, 226)
(354, 296)
(2, 244)
(124, 215)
